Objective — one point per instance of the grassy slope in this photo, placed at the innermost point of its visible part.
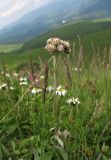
(98, 32)
(9, 48)
(68, 32)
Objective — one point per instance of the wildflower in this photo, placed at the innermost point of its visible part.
(56, 44)
(60, 47)
(77, 69)
(15, 74)
(60, 91)
(50, 48)
(33, 91)
(50, 88)
(7, 75)
(42, 77)
(23, 83)
(12, 88)
(66, 134)
(22, 79)
(3, 86)
(36, 90)
(73, 101)
(56, 41)
(50, 40)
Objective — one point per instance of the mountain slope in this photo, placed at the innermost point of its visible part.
(51, 16)
(40, 21)
(68, 32)
(97, 32)
(101, 8)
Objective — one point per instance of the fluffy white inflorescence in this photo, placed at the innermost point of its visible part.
(58, 45)
(61, 91)
(36, 90)
(73, 101)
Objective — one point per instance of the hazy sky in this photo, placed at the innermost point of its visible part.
(10, 10)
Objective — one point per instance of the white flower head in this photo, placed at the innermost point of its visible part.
(36, 90)
(7, 75)
(50, 88)
(3, 86)
(60, 47)
(50, 40)
(50, 48)
(23, 79)
(23, 83)
(15, 74)
(61, 91)
(56, 41)
(42, 77)
(57, 44)
(73, 101)
(66, 134)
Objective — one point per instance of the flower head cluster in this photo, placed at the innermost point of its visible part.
(58, 45)
(4, 87)
(23, 81)
(61, 91)
(73, 101)
(50, 88)
(36, 90)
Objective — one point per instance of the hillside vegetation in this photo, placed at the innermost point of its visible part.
(97, 32)
(70, 32)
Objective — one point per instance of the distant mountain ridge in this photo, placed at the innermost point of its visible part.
(51, 16)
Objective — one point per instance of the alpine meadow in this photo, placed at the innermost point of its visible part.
(55, 80)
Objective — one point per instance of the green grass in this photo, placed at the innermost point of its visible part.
(10, 48)
(31, 129)
(97, 32)
(69, 32)
(14, 60)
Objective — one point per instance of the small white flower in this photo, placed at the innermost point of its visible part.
(50, 40)
(23, 83)
(36, 90)
(77, 101)
(66, 134)
(12, 88)
(59, 87)
(3, 86)
(76, 69)
(56, 41)
(42, 77)
(50, 88)
(73, 101)
(16, 74)
(60, 47)
(61, 93)
(23, 79)
(7, 75)
(50, 48)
